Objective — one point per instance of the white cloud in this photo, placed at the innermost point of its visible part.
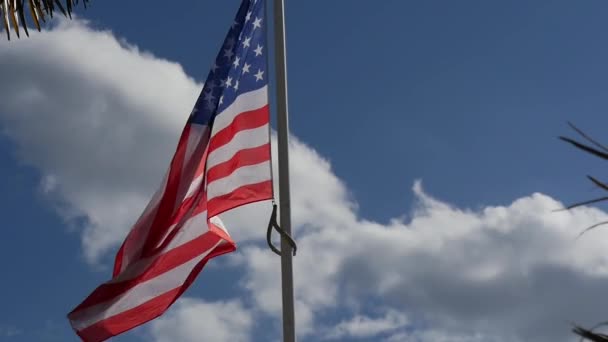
(513, 271)
(195, 320)
(440, 336)
(505, 273)
(100, 120)
(364, 326)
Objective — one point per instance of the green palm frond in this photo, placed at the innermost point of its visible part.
(14, 13)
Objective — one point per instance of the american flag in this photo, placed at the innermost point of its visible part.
(222, 161)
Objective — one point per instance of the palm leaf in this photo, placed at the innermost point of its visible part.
(592, 227)
(588, 138)
(583, 203)
(586, 148)
(14, 13)
(589, 334)
(601, 151)
(598, 183)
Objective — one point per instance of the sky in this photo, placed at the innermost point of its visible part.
(425, 169)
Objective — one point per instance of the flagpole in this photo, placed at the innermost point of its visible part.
(289, 334)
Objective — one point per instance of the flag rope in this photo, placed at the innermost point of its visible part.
(273, 224)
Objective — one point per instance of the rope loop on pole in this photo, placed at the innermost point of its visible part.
(273, 224)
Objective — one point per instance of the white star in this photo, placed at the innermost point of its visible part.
(247, 42)
(248, 17)
(259, 76)
(246, 68)
(209, 96)
(229, 82)
(236, 85)
(257, 23)
(228, 53)
(236, 62)
(209, 86)
(221, 100)
(258, 51)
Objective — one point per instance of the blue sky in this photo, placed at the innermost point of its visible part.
(466, 96)
(423, 75)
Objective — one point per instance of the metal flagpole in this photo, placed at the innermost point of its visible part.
(289, 334)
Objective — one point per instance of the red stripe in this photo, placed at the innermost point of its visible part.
(184, 214)
(181, 212)
(246, 120)
(129, 319)
(141, 314)
(163, 263)
(187, 210)
(201, 167)
(221, 233)
(246, 194)
(245, 157)
(135, 235)
(163, 213)
(167, 204)
(197, 160)
(118, 259)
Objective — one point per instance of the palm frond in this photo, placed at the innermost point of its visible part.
(588, 138)
(586, 148)
(598, 183)
(597, 150)
(14, 14)
(589, 334)
(601, 151)
(584, 203)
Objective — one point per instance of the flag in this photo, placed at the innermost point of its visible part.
(222, 161)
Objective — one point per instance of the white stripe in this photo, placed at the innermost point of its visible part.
(215, 220)
(197, 143)
(194, 186)
(195, 135)
(245, 102)
(139, 294)
(194, 227)
(131, 254)
(242, 176)
(242, 140)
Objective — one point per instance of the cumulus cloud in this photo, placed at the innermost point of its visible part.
(423, 335)
(364, 326)
(513, 273)
(196, 320)
(504, 273)
(99, 119)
